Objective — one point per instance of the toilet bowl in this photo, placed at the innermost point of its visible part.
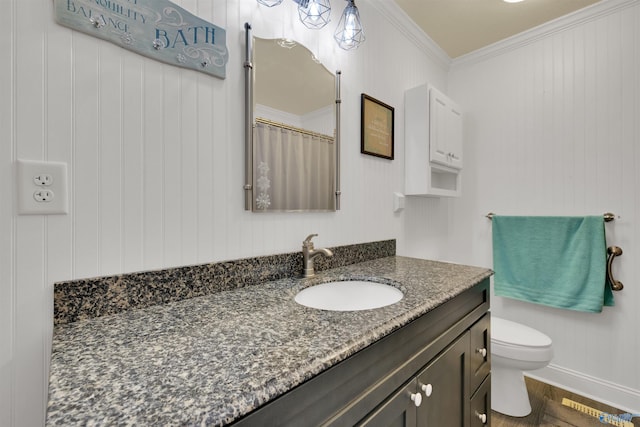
(515, 348)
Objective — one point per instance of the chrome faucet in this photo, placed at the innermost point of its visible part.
(309, 253)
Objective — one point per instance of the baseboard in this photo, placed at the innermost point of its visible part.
(621, 397)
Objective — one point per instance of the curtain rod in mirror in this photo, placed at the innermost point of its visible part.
(293, 128)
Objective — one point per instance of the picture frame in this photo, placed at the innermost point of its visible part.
(376, 128)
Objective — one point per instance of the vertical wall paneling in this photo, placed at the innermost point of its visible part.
(172, 128)
(133, 138)
(216, 145)
(189, 168)
(153, 171)
(632, 38)
(204, 179)
(87, 133)
(109, 163)
(29, 252)
(8, 226)
(554, 131)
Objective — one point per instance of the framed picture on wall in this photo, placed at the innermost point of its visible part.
(376, 128)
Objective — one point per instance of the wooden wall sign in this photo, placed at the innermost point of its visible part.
(158, 29)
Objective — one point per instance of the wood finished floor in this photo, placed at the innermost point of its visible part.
(546, 404)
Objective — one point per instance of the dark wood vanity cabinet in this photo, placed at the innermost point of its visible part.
(454, 388)
(434, 371)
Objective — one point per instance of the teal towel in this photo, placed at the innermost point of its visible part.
(555, 261)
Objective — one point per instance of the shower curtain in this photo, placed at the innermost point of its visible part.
(293, 170)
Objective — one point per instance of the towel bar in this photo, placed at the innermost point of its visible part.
(613, 251)
(608, 216)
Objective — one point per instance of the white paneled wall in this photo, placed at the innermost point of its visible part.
(552, 128)
(155, 157)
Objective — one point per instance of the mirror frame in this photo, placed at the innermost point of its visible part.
(248, 125)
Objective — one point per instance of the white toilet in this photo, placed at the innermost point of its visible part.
(515, 348)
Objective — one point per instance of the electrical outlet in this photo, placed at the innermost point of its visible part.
(43, 179)
(42, 187)
(43, 196)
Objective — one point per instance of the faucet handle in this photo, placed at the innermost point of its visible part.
(307, 242)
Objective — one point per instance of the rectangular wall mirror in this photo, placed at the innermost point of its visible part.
(292, 129)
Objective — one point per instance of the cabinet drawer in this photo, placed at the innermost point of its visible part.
(480, 406)
(480, 352)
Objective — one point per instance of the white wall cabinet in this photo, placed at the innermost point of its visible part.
(433, 143)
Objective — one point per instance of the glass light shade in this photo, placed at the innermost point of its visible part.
(316, 14)
(270, 3)
(349, 33)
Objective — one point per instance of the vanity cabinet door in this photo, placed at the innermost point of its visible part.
(398, 411)
(480, 353)
(480, 406)
(444, 385)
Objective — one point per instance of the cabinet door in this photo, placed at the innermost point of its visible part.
(397, 411)
(454, 135)
(480, 354)
(444, 384)
(480, 405)
(438, 116)
(445, 130)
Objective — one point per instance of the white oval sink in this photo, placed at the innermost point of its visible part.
(349, 295)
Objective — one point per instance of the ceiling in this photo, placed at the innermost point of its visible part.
(462, 26)
(275, 84)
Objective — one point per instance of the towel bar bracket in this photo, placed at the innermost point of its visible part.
(612, 252)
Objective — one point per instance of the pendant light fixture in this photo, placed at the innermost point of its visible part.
(349, 33)
(315, 14)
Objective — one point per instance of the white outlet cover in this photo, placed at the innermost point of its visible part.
(27, 170)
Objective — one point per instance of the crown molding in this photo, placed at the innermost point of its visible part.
(589, 13)
(401, 21)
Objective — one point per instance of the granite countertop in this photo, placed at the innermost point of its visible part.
(210, 360)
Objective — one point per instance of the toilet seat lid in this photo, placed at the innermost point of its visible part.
(511, 333)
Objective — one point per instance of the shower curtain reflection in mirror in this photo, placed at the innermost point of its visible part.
(293, 170)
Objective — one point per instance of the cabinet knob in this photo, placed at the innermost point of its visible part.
(416, 398)
(428, 389)
(482, 351)
(482, 418)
